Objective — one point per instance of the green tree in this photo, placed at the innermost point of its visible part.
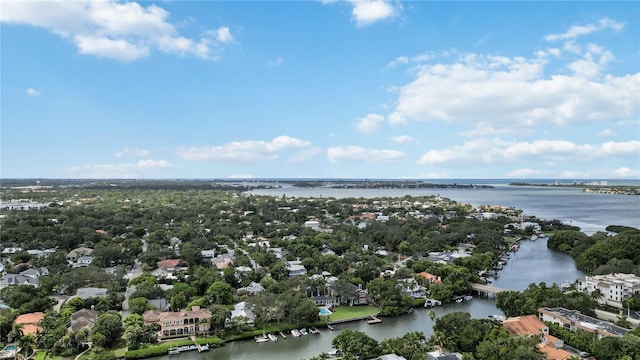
(109, 325)
(138, 305)
(220, 293)
(356, 345)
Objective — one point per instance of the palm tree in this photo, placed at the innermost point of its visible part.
(26, 342)
(16, 332)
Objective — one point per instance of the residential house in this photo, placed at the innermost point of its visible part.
(83, 261)
(240, 311)
(412, 288)
(574, 320)
(30, 322)
(251, 289)
(17, 279)
(531, 326)
(430, 278)
(77, 253)
(179, 323)
(83, 318)
(295, 268)
(90, 292)
(34, 273)
(613, 288)
(439, 355)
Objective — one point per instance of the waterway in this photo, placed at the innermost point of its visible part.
(532, 263)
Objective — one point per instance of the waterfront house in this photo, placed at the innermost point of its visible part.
(179, 323)
(575, 320)
(531, 326)
(613, 288)
(240, 312)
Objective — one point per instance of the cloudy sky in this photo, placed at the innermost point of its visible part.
(331, 89)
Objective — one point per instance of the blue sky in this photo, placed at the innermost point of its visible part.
(331, 89)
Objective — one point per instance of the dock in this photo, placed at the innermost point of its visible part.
(374, 320)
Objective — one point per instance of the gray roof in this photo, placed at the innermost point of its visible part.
(89, 292)
(17, 279)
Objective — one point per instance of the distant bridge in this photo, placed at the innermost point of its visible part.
(487, 289)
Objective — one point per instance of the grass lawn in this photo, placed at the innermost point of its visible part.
(349, 312)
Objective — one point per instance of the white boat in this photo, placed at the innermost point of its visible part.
(272, 337)
(304, 332)
(534, 237)
(283, 335)
(313, 330)
(295, 333)
(468, 298)
(261, 339)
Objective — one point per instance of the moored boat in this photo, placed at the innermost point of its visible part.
(304, 332)
(295, 333)
(283, 335)
(261, 339)
(272, 337)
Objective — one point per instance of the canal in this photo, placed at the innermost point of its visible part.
(532, 263)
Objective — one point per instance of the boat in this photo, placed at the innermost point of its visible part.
(272, 337)
(534, 237)
(295, 333)
(330, 327)
(514, 247)
(283, 335)
(202, 348)
(374, 320)
(468, 298)
(261, 339)
(432, 303)
(313, 330)
(304, 332)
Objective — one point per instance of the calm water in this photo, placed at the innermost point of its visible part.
(532, 263)
(591, 212)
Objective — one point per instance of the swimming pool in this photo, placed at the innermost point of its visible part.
(325, 311)
(9, 348)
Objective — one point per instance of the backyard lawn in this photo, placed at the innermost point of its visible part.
(350, 312)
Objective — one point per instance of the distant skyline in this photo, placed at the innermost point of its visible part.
(320, 89)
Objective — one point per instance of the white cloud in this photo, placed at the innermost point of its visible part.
(368, 12)
(370, 123)
(245, 151)
(581, 30)
(515, 93)
(132, 152)
(360, 154)
(625, 172)
(117, 171)
(224, 34)
(606, 132)
(400, 60)
(124, 31)
(275, 62)
(400, 139)
(493, 151)
(32, 92)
